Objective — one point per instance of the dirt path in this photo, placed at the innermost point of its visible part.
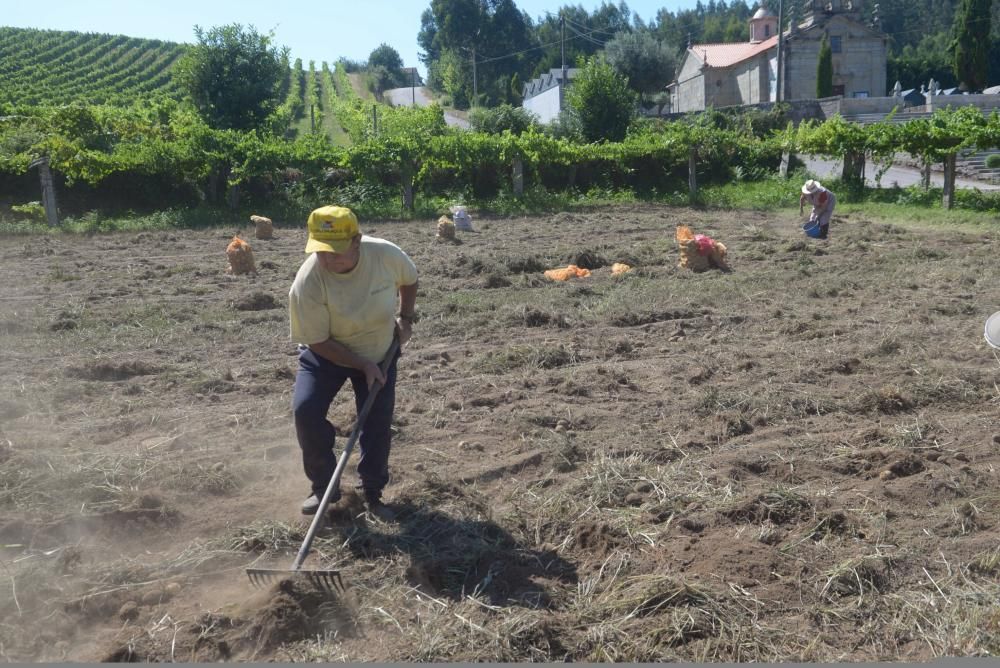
(795, 461)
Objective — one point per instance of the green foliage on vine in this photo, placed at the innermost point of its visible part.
(169, 143)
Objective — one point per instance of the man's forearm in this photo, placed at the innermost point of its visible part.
(338, 354)
(407, 299)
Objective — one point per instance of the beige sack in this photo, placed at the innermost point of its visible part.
(240, 257)
(264, 227)
(691, 258)
(445, 228)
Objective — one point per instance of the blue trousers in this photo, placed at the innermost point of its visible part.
(316, 385)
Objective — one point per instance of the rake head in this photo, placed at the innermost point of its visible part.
(327, 581)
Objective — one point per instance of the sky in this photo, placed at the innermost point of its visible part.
(313, 31)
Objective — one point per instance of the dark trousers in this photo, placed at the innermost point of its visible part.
(316, 385)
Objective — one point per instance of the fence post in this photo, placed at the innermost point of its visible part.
(949, 181)
(48, 190)
(518, 177)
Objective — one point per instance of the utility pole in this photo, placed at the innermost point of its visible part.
(562, 41)
(781, 56)
(562, 48)
(413, 86)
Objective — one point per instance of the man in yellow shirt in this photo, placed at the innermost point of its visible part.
(348, 299)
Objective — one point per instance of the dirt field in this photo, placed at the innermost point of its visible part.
(796, 460)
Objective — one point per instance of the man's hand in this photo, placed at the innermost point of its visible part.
(404, 330)
(372, 374)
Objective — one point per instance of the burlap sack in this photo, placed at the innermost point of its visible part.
(264, 229)
(691, 258)
(445, 228)
(240, 257)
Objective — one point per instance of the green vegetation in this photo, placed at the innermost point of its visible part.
(232, 76)
(645, 61)
(123, 161)
(385, 70)
(505, 117)
(824, 69)
(971, 44)
(58, 67)
(600, 98)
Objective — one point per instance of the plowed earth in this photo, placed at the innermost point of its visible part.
(796, 460)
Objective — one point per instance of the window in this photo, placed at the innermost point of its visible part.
(836, 46)
(860, 93)
(767, 31)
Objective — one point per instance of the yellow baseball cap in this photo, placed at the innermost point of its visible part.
(331, 229)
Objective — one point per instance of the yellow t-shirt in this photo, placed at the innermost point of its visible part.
(356, 309)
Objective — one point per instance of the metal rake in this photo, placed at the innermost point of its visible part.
(325, 580)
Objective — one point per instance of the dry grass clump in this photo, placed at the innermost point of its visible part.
(858, 576)
(779, 505)
(546, 356)
(113, 371)
(266, 538)
(887, 399)
(529, 316)
(107, 482)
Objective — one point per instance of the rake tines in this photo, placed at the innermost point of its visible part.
(329, 581)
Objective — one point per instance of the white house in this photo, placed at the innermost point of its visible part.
(545, 96)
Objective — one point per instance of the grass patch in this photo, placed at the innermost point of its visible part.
(530, 357)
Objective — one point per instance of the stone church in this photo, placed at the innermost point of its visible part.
(724, 75)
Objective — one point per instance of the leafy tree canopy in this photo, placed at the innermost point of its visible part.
(233, 75)
(824, 69)
(387, 57)
(642, 59)
(971, 43)
(602, 100)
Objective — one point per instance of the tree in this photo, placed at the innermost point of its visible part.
(386, 67)
(603, 101)
(495, 32)
(233, 76)
(971, 43)
(454, 76)
(643, 59)
(386, 56)
(824, 69)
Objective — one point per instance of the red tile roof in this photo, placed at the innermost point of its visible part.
(726, 55)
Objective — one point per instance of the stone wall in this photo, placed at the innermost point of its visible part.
(752, 80)
(984, 102)
(859, 68)
(690, 92)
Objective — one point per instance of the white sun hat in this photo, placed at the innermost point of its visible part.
(992, 333)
